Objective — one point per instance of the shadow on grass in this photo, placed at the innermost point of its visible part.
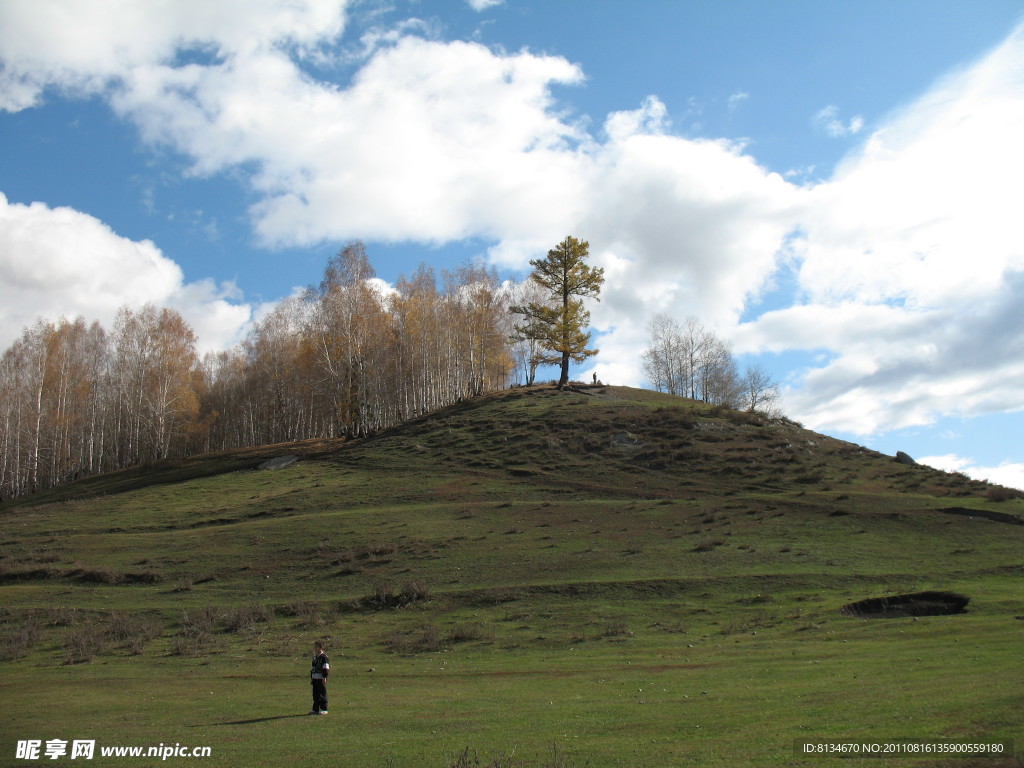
(255, 720)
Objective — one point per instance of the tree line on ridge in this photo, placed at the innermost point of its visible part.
(346, 358)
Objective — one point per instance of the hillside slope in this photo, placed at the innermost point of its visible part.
(535, 539)
(616, 469)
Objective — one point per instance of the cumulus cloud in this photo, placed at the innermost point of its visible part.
(431, 141)
(683, 226)
(58, 262)
(483, 5)
(910, 265)
(91, 46)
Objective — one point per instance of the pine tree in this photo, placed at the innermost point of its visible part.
(559, 327)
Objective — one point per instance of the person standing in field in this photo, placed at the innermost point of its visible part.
(318, 677)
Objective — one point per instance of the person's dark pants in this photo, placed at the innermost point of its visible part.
(320, 695)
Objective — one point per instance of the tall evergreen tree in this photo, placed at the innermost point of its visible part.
(559, 327)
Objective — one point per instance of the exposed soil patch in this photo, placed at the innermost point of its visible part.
(915, 604)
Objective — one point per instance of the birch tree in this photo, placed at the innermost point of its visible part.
(691, 361)
(760, 391)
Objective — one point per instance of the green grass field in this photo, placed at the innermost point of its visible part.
(603, 577)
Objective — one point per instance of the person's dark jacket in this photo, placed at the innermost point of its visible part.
(321, 667)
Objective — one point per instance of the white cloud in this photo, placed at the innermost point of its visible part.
(890, 367)
(687, 226)
(90, 46)
(911, 269)
(483, 5)
(650, 118)
(827, 120)
(439, 141)
(431, 141)
(1008, 473)
(60, 262)
(736, 99)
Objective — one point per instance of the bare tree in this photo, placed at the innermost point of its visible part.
(347, 315)
(478, 306)
(346, 358)
(760, 391)
(526, 350)
(664, 362)
(691, 361)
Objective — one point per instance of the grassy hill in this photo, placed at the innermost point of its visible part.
(602, 576)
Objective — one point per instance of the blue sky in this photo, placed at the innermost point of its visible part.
(834, 187)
